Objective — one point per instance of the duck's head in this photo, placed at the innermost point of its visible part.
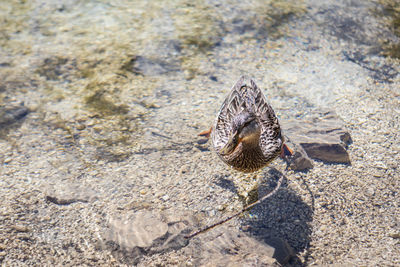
(244, 129)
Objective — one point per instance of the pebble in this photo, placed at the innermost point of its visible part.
(377, 174)
(7, 160)
(165, 197)
(143, 192)
(370, 191)
(46, 218)
(395, 235)
(211, 213)
(98, 127)
(20, 228)
(184, 169)
(80, 127)
(91, 122)
(23, 236)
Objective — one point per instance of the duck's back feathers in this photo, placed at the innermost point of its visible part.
(245, 96)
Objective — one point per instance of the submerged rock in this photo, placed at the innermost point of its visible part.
(322, 137)
(149, 67)
(227, 246)
(66, 194)
(299, 161)
(11, 114)
(147, 232)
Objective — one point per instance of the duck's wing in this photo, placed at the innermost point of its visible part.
(261, 108)
(270, 139)
(233, 105)
(246, 96)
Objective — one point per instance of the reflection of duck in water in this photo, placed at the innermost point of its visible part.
(247, 134)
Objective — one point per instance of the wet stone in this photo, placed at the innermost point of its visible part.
(12, 114)
(299, 161)
(20, 228)
(322, 137)
(227, 246)
(144, 232)
(65, 194)
(149, 67)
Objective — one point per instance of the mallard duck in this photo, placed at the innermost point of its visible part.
(246, 134)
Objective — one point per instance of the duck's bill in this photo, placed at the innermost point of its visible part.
(230, 145)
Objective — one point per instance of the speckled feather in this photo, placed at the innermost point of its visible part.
(246, 96)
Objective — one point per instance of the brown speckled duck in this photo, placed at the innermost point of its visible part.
(246, 134)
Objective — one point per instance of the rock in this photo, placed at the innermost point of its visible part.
(395, 235)
(165, 197)
(322, 137)
(20, 228)
(12, 114)
(282, 251)
(66, 194)
(149, 67)
(227, 246)
(147, 232)
(299, 161)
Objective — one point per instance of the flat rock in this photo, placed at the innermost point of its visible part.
(150, 66)
(299, 161)
(65, 194)
(144, 232)
(227, 246)
(321, 136)
(11, 114)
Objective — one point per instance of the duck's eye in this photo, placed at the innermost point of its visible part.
(247, 123)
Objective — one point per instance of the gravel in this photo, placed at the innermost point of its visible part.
(104, 136)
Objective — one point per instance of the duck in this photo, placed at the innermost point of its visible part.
(246, 134)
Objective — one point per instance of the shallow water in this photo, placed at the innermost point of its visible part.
(119, 90)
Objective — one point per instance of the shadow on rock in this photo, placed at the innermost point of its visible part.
(284, 217)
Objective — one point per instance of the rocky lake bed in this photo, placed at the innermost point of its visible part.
(101, 104)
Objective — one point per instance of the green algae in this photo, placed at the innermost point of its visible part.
(197, 25)
(272, 17)
(14, 24)
(391, 17)
(200, 27)
(52, 69)
(99, 102)
(90, 68)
